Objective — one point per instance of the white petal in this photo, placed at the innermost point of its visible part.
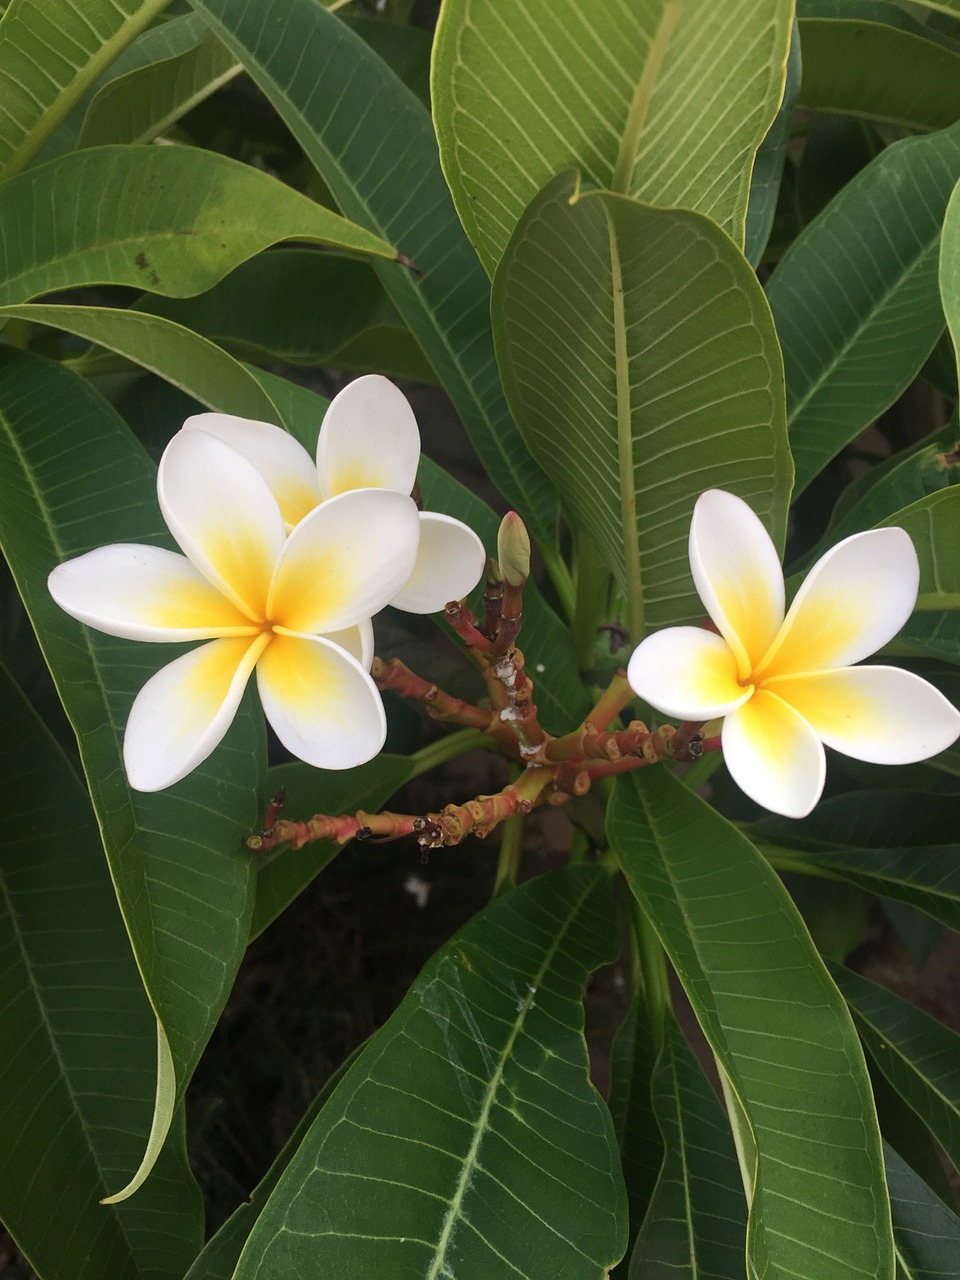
(144, 593)
(223, 515)
(854, 600)
(183, 712)
(324, 707)
(282, 461)
(880, 714)
(369, 439)
(737, 573)
(687, 673)
(449, 565)
(358, 642)
(345, 561)
(774, 756)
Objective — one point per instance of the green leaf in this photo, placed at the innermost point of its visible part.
(218, 1258)
(76, 1078)
(500, 1157)
(950, 270)
(919, 1056)
(632, 1060)
(51, 51)
(183, 358)
(926, 1233)
(933, 524)
(641, 363)
(306, 308)
(173, 220)
(696, 1224)
(898, 844)
(282, 874)
(874, 71)
(934, 634)
(369, 138)
(637, 97)
(931, 466)
(777, 1026)
(855, 298)
(144, 103)
(768, 167)
(72, 478)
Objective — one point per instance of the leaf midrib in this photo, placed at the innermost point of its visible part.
(470, 1161)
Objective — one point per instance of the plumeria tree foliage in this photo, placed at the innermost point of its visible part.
(689, 274)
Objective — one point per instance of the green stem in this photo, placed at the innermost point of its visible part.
(636, 621)
(579, 846)
(561, 579)
(511, 851)
(655, 983)
(592, 584)
(447, 748)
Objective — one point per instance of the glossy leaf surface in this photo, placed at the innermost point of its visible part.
(927, 1234)
(641, 364)
(695, 1226)
(76, 1077)
(855, 298)
(898, 844)
(51, 51)
(919, 1056)
(502, 1155)
(666, 101)
(847, 71)
(73, 478)
(182, 357)
(775, 1022)
(171, 220)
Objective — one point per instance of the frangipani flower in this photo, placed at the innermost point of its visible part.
(295, 608)
(787, 686)
(369, 440)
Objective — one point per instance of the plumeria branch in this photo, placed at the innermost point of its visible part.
(556, 769)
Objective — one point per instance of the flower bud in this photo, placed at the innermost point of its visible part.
(513, 550)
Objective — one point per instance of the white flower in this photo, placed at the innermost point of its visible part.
(295, 608)
(369, 440)
(786, 685)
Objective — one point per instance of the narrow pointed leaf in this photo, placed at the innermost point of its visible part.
(73, 478)
(919, 1056)
(897, 844)
(777, 1026)
(695, 1226)
(855, 298)
(900, 481)
(143, 104)
(183, 358)
(632, 1060)
(927, 1234)
(768, 166)
(302, 308)
(635, 393)
(847, 71)
(367, 133)
(502, 1157)
(76, 1077)
(638, 97)
(172, 220)
(218, 1258)
(51, 51)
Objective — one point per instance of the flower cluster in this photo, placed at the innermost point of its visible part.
(785, 683)
(284, 564)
